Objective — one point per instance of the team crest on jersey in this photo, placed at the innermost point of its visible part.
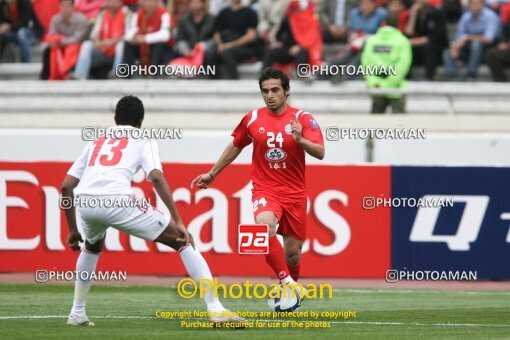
(314, 124)
(288, 129)
(275, 155)
(261, 129)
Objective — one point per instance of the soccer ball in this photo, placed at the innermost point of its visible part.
(285, 300)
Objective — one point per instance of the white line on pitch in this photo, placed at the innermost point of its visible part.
(382, 323)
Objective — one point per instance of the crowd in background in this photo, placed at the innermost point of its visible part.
(84, 39)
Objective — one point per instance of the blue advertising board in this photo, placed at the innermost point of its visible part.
(472, 234)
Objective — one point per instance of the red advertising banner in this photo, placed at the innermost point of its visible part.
(344, 240)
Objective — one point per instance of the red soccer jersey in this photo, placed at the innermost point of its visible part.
(278, 163)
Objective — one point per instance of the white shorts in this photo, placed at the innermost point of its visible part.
(144, 222)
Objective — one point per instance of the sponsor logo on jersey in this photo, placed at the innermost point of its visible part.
(314, 124)
(275, 155)
(261, 129)
(288, 129)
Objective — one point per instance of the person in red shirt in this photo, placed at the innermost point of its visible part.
(281, 135)
(148, 37)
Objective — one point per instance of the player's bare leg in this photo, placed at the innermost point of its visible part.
(275, 257)
(292, 248)
(198, 269)
(86, 263)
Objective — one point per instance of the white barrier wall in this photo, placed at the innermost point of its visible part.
(196, 146)
(483, 149)
(199, 146)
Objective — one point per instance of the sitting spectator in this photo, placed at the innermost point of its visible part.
(285, 49)
(332, 18)
(367, 17)
(131, 4)
(106, 43)
(194, 27)
(216, 6)
(363, 22)
(426, 29)
(478, 28)
(148, 37)
(399, 7)
(14, 19)
(234, 38)
(388, 47)
(89, 8)
(178, 9)
(270, 14)
(68, 29)
(499, 56)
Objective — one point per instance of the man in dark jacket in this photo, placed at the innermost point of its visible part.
(426, 29)
(285, 48)
(14, 20)
(194, 27)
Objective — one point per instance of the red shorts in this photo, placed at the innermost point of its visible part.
(291, 213)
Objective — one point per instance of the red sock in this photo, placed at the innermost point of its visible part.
(294, 271)
(276, 258)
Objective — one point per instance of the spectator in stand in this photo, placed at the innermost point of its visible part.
(426, 30)
(148, 36)
(399, 7)
(364, 21)
(14, 26)
(67, 31)
(284, 49)
(178, 8)
(367, 17)
(132, 4)
(104, 49)
(499, 56)
(388, 47)
(332, 16)
(270, 15)
(194, 27)
(478, 29)
(89, 8)
(234, 37)
(216, 6)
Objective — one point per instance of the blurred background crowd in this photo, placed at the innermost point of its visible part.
(85, 39)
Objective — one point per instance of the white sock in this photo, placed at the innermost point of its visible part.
(86, 263)
(198, 269)
(287, 280)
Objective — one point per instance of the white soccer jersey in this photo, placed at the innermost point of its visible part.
(107, 166)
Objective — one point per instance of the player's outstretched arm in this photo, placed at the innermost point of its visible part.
(163, 190)
(73, 238)
(228, 156)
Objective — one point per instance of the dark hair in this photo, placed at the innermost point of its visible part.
(129, 111)
(71, 1)
(272, 73)
(392, 19)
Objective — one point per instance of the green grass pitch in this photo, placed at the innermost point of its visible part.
(129, 312)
